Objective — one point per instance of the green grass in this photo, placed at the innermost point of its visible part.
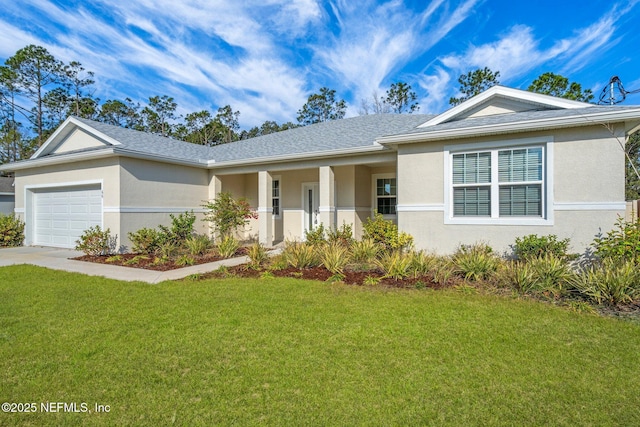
(290, 352)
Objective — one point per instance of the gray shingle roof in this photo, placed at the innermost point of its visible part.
(519, 117)
(148, 143)
(354, 132)
(330, 136)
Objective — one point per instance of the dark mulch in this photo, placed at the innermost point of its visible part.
(350, 277)
(147, 262)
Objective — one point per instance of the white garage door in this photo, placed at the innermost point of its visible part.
(61, 215)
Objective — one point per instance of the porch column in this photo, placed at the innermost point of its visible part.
(265, 208)
(215, 188)
(327, 206)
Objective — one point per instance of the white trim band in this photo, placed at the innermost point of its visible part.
(138, 209)
(435, 207)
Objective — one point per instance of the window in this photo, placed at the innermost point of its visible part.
(275, 196)
(386, 196)
(498, 183)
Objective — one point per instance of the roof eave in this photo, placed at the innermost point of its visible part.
(57, 160)
(212, 164)
(522, 126)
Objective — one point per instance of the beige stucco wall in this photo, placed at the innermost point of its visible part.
(103, 171)
(588, 170)
(152, 191)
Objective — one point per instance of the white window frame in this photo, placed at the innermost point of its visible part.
(279, 198)
(374, 192)
(546, 142)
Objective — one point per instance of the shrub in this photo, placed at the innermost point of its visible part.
(316, 236)
(444, 270)
(621, 243)
(136, 260)
(612, 283)
(421, 263)
(518, 275)
(476, 262)
(145, 241)
(181, 228)
(334, 257)
(197, 244)
(300, 255)
(385, 233)
(257, 254)
(228, 246)
(228, 214)
(11, 231)
(167, 249)
(395, 264)
(366, 251)
(185, 260)
(533, 246)
(342, 235)
(95, 241)
(551, 274)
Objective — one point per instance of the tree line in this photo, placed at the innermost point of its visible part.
(38, 92)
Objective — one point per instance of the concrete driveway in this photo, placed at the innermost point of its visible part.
(58, 259)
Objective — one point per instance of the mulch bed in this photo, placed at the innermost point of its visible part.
(350, 277)
(148, 264)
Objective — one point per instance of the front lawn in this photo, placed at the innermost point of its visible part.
(278, 351)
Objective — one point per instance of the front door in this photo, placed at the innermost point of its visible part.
(311, 204)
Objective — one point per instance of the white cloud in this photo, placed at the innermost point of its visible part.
(437, 88)
(374, 40)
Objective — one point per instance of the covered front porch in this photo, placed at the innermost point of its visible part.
(292, 201)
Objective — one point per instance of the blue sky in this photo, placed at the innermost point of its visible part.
(265, 57)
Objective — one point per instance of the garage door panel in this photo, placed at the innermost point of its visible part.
(62, 215)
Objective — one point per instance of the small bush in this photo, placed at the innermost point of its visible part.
(395, 265)
(611, 283)
(227, 214)
(551, 274)
(334, 257)
(533, 246)
(443, 271)
(136, 260)
(185, 260)
(258, 256)
(11, 231)
(421, 263)
(621, 243)
(197, 244)
(366, 251)
(518, 275)
(316, 236)
(167, 249)
(371, 281)
(145, 241)
(181, 227)
(228, 246)
(385, 233)
(476, 262)
(342, 235)
(300, 255)
(95, 241)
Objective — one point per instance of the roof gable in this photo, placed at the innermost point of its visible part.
(74, 135)
(502, 100)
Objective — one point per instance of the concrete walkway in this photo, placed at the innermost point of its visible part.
(58, 259)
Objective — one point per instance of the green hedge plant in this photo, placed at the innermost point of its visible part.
(11, 231)
(622, 243)
(95, 241)
(533, 246)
